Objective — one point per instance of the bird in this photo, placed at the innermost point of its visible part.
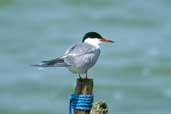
(80, 57)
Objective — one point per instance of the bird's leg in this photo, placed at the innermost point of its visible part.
(79, 76)
(86, 74)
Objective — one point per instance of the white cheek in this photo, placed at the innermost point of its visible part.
(92, 41)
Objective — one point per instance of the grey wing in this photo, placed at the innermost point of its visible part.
(74, 49)
(79, 49)
(82, 55)
(60, 61)
(66, 60)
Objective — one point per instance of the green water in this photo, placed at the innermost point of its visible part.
(133, 75)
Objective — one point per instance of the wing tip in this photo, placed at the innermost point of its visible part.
(38, 65)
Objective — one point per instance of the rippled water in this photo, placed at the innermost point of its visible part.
(133, 75)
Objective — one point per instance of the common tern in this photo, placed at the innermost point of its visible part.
(80, 57)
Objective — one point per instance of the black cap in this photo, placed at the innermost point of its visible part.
(91, 35)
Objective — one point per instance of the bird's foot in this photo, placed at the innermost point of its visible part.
(87, 77)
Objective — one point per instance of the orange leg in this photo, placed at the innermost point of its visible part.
(79, 76)
(87, 75)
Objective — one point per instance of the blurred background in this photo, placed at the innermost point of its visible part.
(133, 75)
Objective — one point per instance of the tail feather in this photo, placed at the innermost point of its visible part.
(39, 65)
(58, 62)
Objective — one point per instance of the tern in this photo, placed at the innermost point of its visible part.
(80, 57)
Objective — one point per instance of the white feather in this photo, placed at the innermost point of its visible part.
(93, 41)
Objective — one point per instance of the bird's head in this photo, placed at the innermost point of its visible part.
(94, 38)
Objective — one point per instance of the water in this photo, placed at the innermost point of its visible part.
(133, 75)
